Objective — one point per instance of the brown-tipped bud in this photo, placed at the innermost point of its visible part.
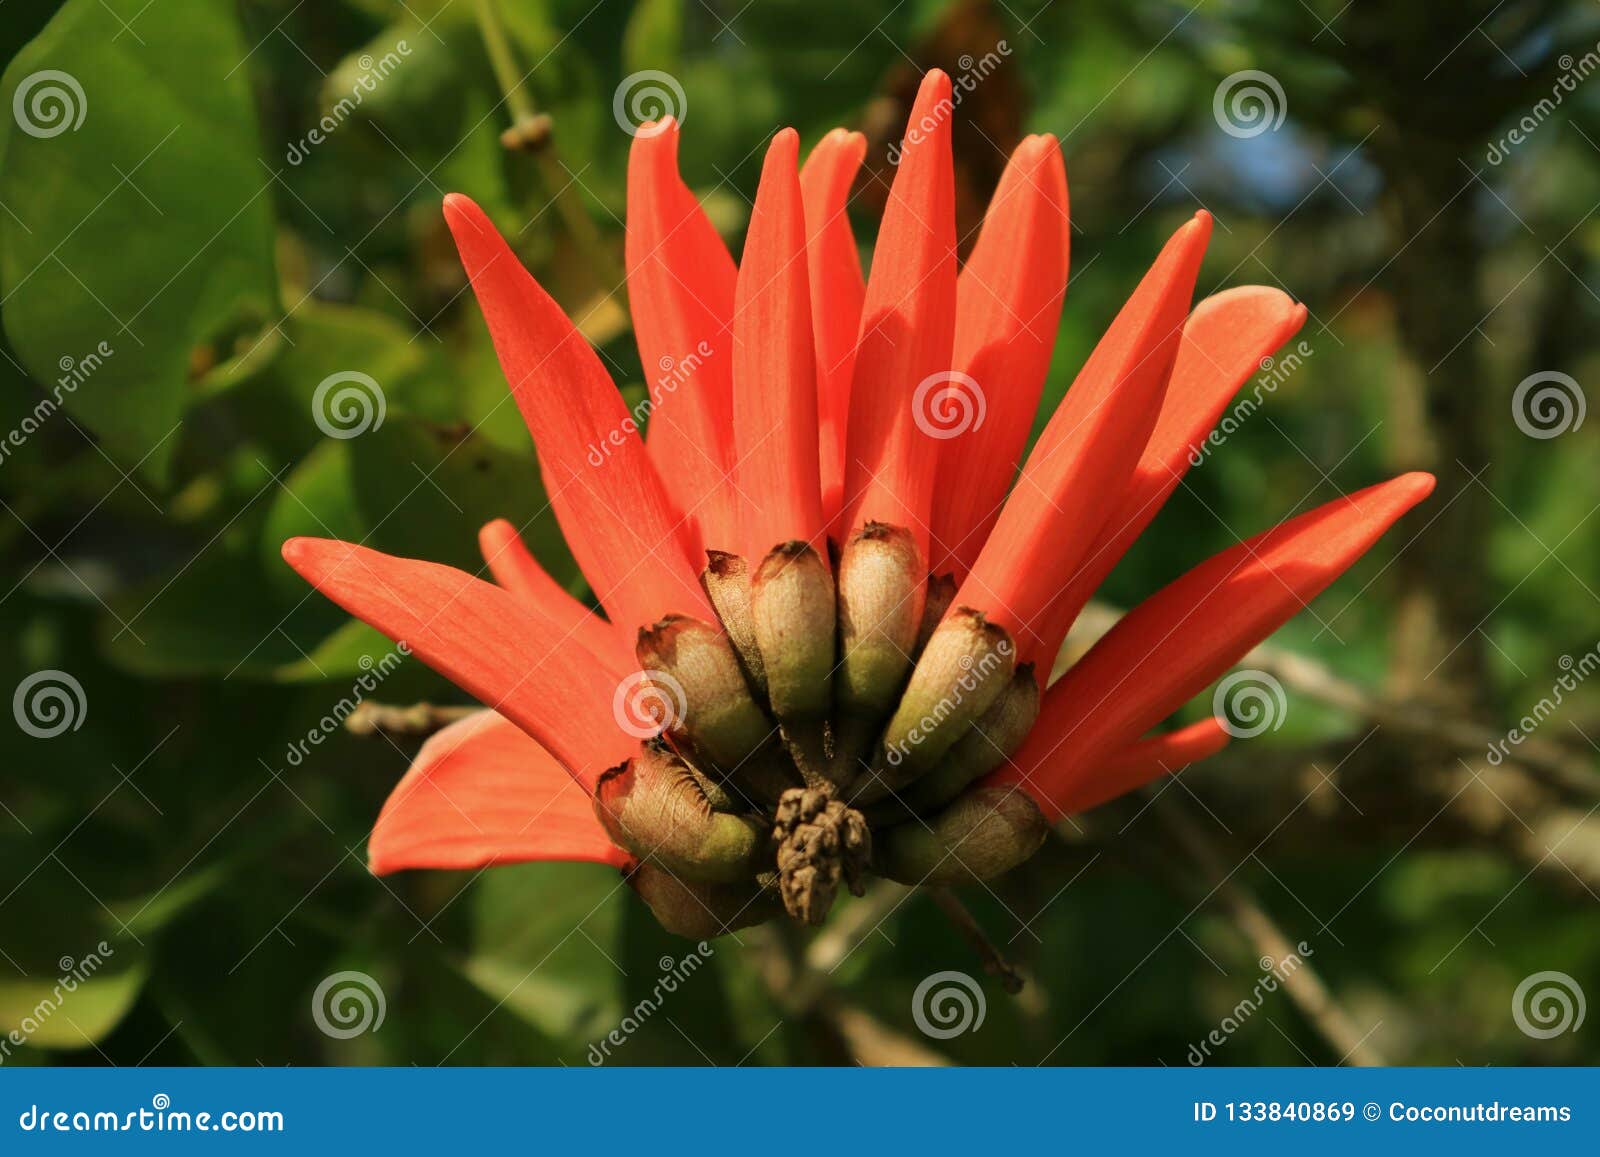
(984, 832)
(993, 739)
(966, 665)
(941, 593)
(793, 608)
(701, 910)
(698, 692)
(726, 580)
(882, 590)
(654, 806)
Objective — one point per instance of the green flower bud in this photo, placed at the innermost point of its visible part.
(700, 910)
(967, 664)
(984, 832)
(792, 608)
(654, 806)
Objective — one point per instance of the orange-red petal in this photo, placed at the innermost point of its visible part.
(907, 328)
(634, 549)
(774, 365)
(680, 292)
(1177, 641)
(515, 569)
(483, 639)
(482, 793)
(1223, 343)
(1085, 457)
(837, 290)
(1008, 305)
(1138, 764)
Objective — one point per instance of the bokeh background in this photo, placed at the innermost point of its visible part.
(1423, 176)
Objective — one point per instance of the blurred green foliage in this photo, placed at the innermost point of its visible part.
(229, 268)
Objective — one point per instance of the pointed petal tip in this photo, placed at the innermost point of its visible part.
(784, 146)
(843, 138)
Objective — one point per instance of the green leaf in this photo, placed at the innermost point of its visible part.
(75, 1009)
(139, 224)
(547, 941)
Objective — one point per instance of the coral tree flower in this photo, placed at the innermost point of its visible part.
(831, 586)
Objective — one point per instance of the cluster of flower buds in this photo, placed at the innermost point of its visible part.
(833, 722)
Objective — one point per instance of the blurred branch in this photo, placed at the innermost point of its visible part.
(1565, 769)
(994, 963)
(1302, 984)
(531, 132)
(799, 982)
(418, 721)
